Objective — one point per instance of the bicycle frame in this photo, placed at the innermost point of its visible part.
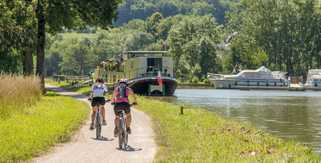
(98, 123)
(122, 134)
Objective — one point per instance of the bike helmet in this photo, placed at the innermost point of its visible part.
(123, 81)
(99, 80)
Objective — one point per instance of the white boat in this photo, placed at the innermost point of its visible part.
(313, 80)
(262, 78)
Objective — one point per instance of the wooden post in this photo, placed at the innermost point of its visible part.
(182, 110)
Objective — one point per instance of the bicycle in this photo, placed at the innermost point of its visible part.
(122, 131)
(98, 122)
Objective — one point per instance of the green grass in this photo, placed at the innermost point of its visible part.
(83, 90)
(55, 83)
(31, 132)
(202, 136)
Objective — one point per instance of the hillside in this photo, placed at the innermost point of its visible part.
(142, 9)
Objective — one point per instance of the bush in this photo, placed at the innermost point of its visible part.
(195, 80)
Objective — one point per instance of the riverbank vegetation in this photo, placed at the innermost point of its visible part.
(30, 123)
(217, 36)
(283, 36)
(202, 136)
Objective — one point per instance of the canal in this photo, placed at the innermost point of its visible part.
(289, 115)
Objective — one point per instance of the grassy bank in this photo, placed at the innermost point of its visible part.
(50, 121)
(17, 93)
(83, 90)
(30, 123)
(202, 136)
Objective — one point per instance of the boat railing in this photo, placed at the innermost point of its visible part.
(152, 74)
(149, 75)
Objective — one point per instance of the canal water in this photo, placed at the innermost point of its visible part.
(290, 115)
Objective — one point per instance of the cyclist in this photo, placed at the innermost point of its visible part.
(121, 102)
(98, 91)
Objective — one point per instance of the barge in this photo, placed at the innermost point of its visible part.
(149, 73)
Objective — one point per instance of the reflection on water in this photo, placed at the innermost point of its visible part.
(290, 115)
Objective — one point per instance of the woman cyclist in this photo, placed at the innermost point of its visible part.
(98, 92)
(121, 102)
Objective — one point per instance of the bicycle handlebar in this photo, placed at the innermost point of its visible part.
(132, 104)
(90, 99)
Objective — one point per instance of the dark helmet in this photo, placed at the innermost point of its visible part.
(99, 80)
(125, 81)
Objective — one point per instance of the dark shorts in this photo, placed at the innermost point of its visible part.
(96, 101)
(121, 106)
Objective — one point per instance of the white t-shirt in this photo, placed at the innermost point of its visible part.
(98, 90)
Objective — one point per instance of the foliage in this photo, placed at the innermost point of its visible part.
(193, 44)
(142, 9)
(283, 35)
(202, 136)
(24, 23)
(17, 34)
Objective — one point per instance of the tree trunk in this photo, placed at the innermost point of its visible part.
(27, 62)
(41, 38)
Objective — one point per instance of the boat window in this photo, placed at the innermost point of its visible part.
(154, 65)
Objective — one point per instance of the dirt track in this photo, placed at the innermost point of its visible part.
(85, 148)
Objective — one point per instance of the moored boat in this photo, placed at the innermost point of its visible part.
(261, 78)
(313, 81)
(148, 72)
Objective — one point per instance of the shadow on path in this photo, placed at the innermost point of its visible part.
(103, 139)
(130, 149)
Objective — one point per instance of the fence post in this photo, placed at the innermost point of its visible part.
(182, 110)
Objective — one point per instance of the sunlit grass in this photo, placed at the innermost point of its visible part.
(17, 93)
(203, 136)
(56, 83)
(63, 84)
(49, 121)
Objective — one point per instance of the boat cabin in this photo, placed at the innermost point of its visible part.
(261, 78)
(314, 79)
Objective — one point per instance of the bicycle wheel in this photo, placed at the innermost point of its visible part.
(120, 135)
(98, 125)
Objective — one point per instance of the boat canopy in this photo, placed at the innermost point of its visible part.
(260, 73)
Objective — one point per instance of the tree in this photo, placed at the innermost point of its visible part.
(17, 36)
(193, 45)
(284, 35)
(153, 22)
(57, 15)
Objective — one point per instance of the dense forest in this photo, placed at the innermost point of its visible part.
(202, 36)
(142, 9)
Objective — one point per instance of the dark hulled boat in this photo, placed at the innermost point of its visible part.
(149, 73)
(151, 86)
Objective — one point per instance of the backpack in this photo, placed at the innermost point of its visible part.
(122, 91)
